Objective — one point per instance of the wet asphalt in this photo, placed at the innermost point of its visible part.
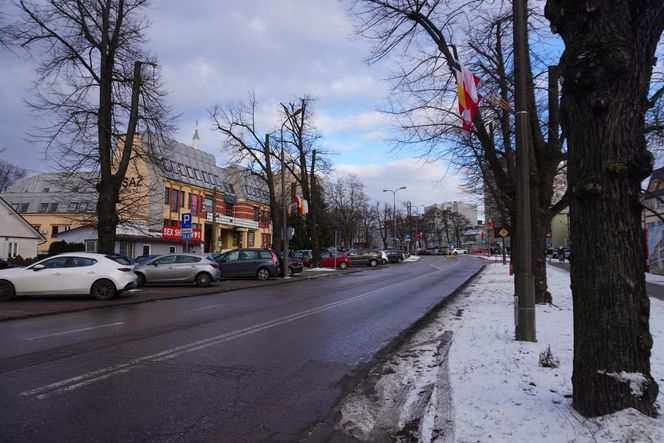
(259, 364)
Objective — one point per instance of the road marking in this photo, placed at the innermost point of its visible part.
(89, 378)
(74, 331)
(205, 307)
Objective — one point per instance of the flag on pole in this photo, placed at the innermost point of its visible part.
(469, 99)
(301, 204)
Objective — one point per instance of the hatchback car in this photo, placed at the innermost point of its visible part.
(261, 263)
(178, 268)
(328, 259)
(103, 276)
(365, 257)
(395, 255)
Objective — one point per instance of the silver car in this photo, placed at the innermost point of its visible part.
(178, 268)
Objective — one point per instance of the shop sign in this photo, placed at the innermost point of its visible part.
(175, 233)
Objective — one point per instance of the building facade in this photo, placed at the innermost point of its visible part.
(17, 236)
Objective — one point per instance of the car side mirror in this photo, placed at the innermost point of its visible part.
(38, 267)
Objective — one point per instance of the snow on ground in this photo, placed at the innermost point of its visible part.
(501, 394)
(654, 278)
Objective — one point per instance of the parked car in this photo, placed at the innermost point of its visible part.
(365, 257)
(103, 276)
(395, 255)
(261, 263)
(302, 254)
(4, 264)
(143, 258)
(329, 259)
(456, 251)
(178, 268)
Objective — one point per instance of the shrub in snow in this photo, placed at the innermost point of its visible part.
(547, 360)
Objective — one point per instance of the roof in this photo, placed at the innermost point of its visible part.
(28, 227)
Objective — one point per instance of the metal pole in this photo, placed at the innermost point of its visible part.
(524, 282)
(284, 229)
(394, 218)
(214, 219)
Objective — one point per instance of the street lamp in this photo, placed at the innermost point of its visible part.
(284, 228)
(394, 211)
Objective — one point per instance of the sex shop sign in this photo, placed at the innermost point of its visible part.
(175, 233)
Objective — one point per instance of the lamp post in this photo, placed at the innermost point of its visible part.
(284, 202)
(394, 210)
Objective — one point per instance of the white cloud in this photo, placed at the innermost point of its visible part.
(426, 183)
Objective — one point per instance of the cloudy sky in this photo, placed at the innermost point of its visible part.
(213, 52)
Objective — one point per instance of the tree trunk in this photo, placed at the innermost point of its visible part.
(107, 220)
(604, 99)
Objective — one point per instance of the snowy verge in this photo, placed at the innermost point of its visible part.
(501, 394)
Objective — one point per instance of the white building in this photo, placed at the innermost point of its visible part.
(468, 210)
(17, 236)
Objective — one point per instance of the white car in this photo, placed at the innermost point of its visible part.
(456, 251)
(72, 273)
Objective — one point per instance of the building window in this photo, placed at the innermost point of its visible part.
(197, 174)
(53, 207)
(23, 207)
(166, 196)
(43, 207)
(46, 190)
(167, 167)
(257, 214)
(182, 169)
(171, 249)
(174, 200)
(182, 199)
(127, 248)
(229, 209)
(205, 177)
(91, 245)
(191, 172)
(15, 206)
(208, 203)
(237, 239)
(73, 206)
(146, 250)
(84, 206)
(250, 239)
(13, 249)
(54, 230)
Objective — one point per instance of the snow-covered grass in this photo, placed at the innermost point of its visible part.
(501, 394)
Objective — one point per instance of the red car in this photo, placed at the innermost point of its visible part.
(327, 260)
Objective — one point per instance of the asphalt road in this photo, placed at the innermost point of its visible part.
(253, 365)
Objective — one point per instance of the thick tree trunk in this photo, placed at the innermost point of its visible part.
(107, 221)
(604, 99)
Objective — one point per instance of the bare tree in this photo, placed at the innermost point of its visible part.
(248, 147)
(300, 138)
(459, 224)
(348, 206)
(424, 92)
(607, 65)
(91, 82)
(9, 173)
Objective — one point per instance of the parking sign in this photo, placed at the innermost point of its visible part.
(186, 220)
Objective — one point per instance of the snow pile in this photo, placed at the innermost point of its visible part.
(501, 393)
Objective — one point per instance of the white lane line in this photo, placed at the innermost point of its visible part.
(205, 307)
(73, 331)
(101, 374)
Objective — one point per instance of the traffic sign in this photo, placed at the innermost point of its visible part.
(503, 232)
(186, 220)
(185, 235)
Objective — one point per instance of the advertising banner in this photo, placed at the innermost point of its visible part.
(175, 233)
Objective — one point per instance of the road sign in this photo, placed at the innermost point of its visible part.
(186, 220)
(503, 232)
(407, 237)
(185, 236)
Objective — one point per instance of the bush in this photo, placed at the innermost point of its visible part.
(59, 247)
(20, 261)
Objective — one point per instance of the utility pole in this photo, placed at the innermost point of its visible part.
(524, 281)
(394, 213)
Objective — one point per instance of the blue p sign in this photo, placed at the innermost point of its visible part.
(186, 220)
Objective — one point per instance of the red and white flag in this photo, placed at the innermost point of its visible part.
(469, 99)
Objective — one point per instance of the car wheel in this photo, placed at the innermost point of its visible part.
(290, 271)
(7, 291)
(203, 280)
(342, 265)
(373, 263)
(103, 290)
(263, 274)
(140, 282)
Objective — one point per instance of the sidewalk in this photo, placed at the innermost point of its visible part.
(25, 307)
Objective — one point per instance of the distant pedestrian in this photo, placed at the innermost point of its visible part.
(561, 254)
